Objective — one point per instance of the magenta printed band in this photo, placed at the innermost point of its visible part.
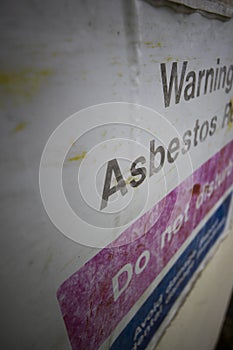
(95, 298)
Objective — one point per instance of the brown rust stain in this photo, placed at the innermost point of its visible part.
(196, 189)
(110, 256)
(109, 302)
(140, 246)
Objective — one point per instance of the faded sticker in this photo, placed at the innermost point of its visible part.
(99, 295)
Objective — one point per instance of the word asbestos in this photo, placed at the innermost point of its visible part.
(142, 167)
(192, 84)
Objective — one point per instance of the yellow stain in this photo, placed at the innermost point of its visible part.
(168, 59)
(129, 179)
(78, 157)
(120, 75)
(152, 44)
(23, 84)
(20, 126)
(55, 53)
(104, 133)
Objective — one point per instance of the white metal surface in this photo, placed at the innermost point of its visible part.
(57, 58)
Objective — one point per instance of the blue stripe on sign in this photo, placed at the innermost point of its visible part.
(140, 330)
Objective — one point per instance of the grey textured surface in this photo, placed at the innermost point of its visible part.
(221, 9)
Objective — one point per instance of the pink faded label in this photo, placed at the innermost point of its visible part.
(101, 293)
